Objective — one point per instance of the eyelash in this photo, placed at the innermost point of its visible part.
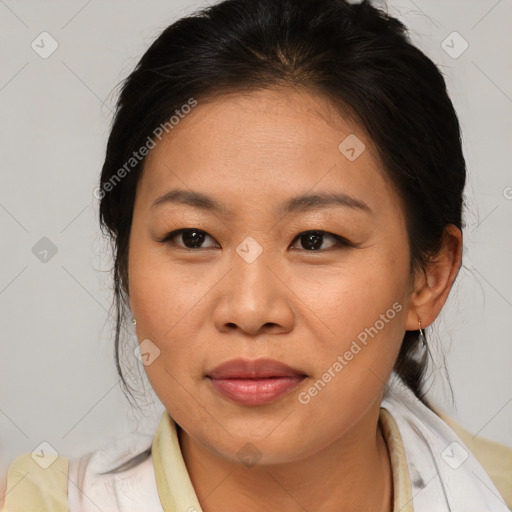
(341, 241)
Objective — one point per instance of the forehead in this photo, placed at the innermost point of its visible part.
(260, 145)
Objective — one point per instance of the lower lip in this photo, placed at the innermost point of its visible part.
(256, 391)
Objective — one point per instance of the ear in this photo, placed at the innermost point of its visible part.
(433, 283)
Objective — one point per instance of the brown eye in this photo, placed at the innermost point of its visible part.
(191, 238)
(314, 240)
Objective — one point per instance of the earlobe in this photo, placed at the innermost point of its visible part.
(433, 283)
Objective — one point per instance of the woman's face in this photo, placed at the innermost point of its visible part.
(245, 283)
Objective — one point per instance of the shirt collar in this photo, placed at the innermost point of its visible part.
(177, 492)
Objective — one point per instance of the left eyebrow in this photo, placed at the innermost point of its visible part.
(320, 200)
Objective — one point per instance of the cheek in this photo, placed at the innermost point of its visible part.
(348, 298)
(362, 311)
(353, 364)
(162, 300)
(168, 300)
(162, 294)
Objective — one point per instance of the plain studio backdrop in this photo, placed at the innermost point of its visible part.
(60, 64)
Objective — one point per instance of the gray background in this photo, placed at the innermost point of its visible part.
(57, 376)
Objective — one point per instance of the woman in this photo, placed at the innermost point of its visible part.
(283, 186)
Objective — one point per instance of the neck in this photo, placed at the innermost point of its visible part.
(351, 474)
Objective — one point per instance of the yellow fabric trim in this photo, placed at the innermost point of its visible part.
(402, 489)
(177, 493)
(173, 482)
(31, 488)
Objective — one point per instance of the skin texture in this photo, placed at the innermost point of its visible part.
(303, 307)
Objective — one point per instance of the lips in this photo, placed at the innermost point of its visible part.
(257, 382)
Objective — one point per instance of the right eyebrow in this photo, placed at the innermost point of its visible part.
(191, 198)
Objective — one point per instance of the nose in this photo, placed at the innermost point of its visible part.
(253, 299)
